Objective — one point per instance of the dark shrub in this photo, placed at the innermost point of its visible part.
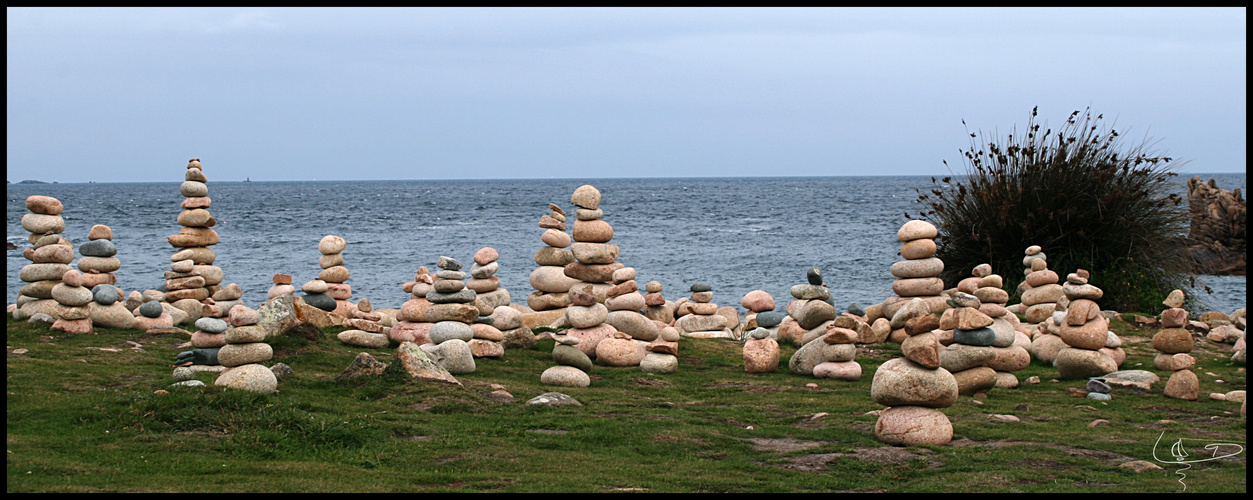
(1086, 200)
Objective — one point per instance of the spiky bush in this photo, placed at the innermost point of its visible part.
(1086, 199)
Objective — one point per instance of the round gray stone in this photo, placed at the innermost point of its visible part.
(701, 287)
(150, 309)
(443, 331)
(769, 319)
(98, 248)
(211, 325)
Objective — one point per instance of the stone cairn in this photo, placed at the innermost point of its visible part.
(1032, 254)
(918, 275)
(698, 315)
(549, 279)
(1009, 343)
(586, 317)
(1175, 343)
(811, 312)
(486, 342)
(595, 258)
(282, 287)
(488, 293)
(1046, 341)
(192, 277)
(656, 307)
(50, 256)
(833, 356)
(152, 313)
(451, 313)
(99, 261)
(1085, 330)
(411, 324)
(335, 274)
(1039, 290)
(972, 348)
(761, 351)
(625, 304)
(244, 351)
(572, 366)
(914, 388)
(662, 352)
(756, 302)
(107, 309)
(72, 316)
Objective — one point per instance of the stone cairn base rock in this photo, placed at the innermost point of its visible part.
(244, 353)
(549, 279)
(918, 275)
(411, 324)
(697, 316)
(153, 313)
(1011, 342)
(810, 312)
(915, 388)
(1175, 344)
(451, 313)
(572, 365)
(656, 307)
(756, 302)
(50, 256)
(107, 309)
(973, 345)
(1085, 330)
(192, 274)
(761, 351)
(1218, 225)
(335, 274)
(1039, 291)
(72, 298)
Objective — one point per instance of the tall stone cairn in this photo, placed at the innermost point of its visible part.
(1218, 228)
(411, 324)
(1033, 253)
(1084, 330)
(452, 311)
(811, 311)
(698, 316)
(335, 274)
(914, 387)
(549, 279)
(1011, 342)
(1039, 297)
(967, 357)
(918, 275)
(487, 341)
(192, 276)
(73, 315)
(595, 258)
(626, 304)
(586, 317)
(1174, 342)
(50, 256)
(244, 352)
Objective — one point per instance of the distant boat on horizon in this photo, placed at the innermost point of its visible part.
(247, 179)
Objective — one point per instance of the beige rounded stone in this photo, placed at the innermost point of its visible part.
(1073, 363)
(620, 352)
(589, 338)
(595, 253)
(51, 254)
(1173, 341)
(586, 196)
(334, 274)
(241, 354)
(552, 279)
(913, 425)
(194, 237)
(900, 382)
(44, 205)
(918, 287)
(198, 255)
(923, 349)
(196, 217)
(592, 231)
(249, 377)
(565, 376)
(192, 189)
(916, 229)
(918, 249)
(1183, 384)
(586, 316)
(975, 380)
(43, 224)
(331, 244)
(918, 268)
(761, 355)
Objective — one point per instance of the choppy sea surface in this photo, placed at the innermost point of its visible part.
(737, 234)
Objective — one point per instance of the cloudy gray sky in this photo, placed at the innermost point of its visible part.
(129, 94)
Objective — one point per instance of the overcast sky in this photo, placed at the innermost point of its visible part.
(130, 94)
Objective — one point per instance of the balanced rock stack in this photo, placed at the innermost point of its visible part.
(1038, 298)
(411, 324)
(967, 357)
(656, 307)
(192, 274)
(549, 279)
(1046, 341)
(99, 261)
(914, 388)
(1085, 331)
(625, 303)
(451, 313)
(1175, 343)
(698, 316)
(1033, 253)
(210, 333)
(811, 312)
(595, 258)
(152, 313)
(761, 351)
(229, 296)
(282, 286)
(918, 275)
(335, 274)
(243, 353)
(662, 352)
(830, 355)
(107, 309)
(488, 293)
(572, 365)
(1009, 343)
(73, 315)
(756, 302)
(50, 256)
(586, 317)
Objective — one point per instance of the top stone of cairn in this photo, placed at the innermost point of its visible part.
(916, 230)
(586, 196)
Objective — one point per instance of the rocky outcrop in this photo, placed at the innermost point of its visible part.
(1217, 228)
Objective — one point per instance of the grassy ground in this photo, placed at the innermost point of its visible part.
(84, 415)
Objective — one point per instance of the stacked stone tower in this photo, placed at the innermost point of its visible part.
(335, 274)
(1084, 330)
(918, 275)
(1175, 343)
(698, 316)
(50, 256)
(192, 277)
(243, 353)
(411, 324)
(549, 279)
(595, 258)
(812, 310)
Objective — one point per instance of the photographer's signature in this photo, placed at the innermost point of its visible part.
(1180, 454)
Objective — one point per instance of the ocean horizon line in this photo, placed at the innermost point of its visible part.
(27, 182)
